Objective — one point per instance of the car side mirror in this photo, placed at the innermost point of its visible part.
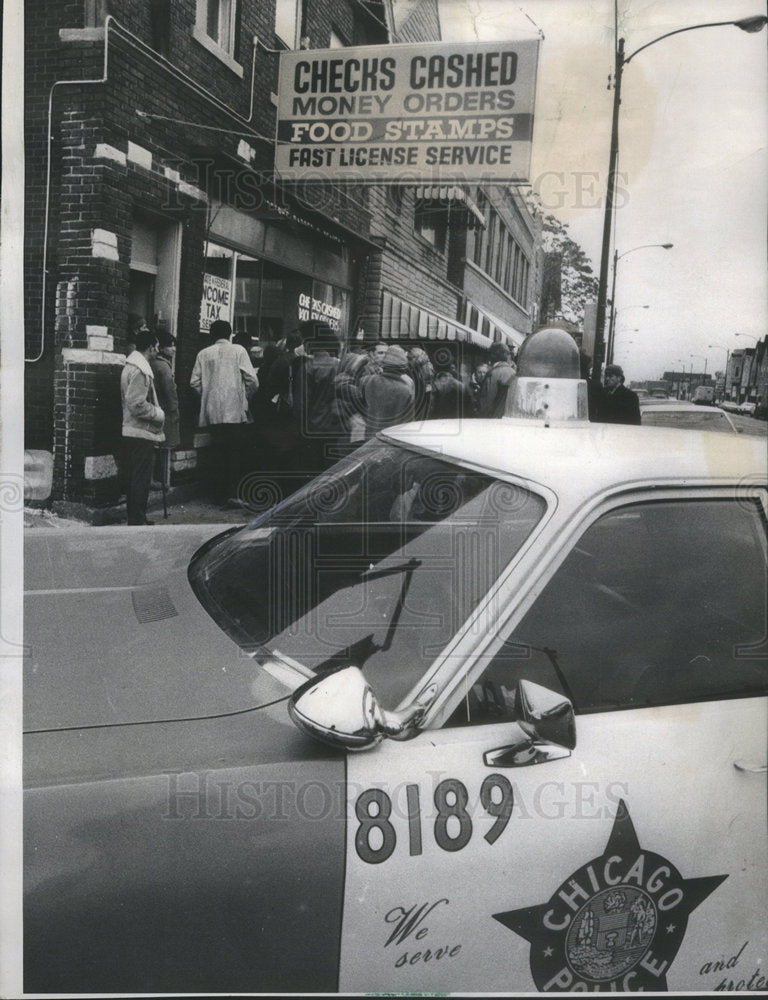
(545, 729)
(340, 708)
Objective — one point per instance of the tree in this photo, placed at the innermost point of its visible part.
(569, 281)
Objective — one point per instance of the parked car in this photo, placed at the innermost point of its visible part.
(686, 415)
(471, 712)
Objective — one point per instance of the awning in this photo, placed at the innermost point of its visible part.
(503, 331)
(401, 320)
(446, 194)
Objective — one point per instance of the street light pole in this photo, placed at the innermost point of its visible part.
(727, 359)
(748, 24)
(597, 362)
(703, 358)
(616, 258)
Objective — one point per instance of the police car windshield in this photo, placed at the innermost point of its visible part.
(378, 563)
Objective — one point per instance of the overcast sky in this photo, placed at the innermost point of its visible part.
(692, 147)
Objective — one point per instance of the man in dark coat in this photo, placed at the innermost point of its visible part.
(493, 391)
(168, 399)
(388, 398)
(617, 404)
(451, 399)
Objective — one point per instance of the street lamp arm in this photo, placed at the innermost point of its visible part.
(645, 246)
(749, 24)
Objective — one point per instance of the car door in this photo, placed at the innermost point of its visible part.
(639, 860)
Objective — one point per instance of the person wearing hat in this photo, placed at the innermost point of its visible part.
(617, 404)
(388, 398)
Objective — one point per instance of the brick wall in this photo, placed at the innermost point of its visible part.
(162, 135)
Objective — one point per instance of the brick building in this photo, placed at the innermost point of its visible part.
(151, 193)
(746, 377)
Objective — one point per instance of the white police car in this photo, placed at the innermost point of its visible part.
(546, 637)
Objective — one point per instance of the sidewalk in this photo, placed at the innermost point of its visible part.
(182, 509)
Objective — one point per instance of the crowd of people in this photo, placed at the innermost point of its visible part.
(308, 404)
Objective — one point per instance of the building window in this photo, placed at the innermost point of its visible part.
(94, 13)
(430, 223)
(288, 22)
(221, 23)
(216, 29)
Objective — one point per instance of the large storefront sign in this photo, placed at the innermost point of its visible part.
(216, 302)
(409, 113)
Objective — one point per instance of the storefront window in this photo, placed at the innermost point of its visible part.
(264, 301)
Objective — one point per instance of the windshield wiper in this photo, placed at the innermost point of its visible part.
(358, 652)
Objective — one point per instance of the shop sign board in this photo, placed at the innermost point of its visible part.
(216, 302)
(439, 112)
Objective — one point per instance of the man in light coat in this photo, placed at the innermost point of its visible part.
(224, 379)
(143, 421)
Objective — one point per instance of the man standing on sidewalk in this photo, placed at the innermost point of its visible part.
(168, 398)
(142, 424)
(617, 404)
(224, 379)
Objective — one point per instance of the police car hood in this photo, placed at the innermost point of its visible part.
(114, 634)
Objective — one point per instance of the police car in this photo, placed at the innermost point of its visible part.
(481, 709)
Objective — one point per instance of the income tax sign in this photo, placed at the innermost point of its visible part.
(407, 113)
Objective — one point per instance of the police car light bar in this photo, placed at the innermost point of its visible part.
(548, 387)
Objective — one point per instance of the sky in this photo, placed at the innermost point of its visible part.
(693, 123)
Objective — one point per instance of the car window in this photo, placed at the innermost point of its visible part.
(658, 603)
(378, 563)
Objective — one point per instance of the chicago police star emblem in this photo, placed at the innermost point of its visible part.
(615, 924)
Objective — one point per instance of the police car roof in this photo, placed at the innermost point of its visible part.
(590, 458)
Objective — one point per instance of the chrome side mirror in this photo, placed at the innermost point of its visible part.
(545, 729)
(341, 709)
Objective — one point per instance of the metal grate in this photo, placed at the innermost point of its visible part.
(153, 604)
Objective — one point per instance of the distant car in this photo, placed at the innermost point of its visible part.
(641, 393)
(658, 400)
(472, 712)
(659, 394)
(747, 408)
(729, 405)
(685, 415)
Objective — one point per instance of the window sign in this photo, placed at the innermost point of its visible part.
(325, 303)
(217, 300)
